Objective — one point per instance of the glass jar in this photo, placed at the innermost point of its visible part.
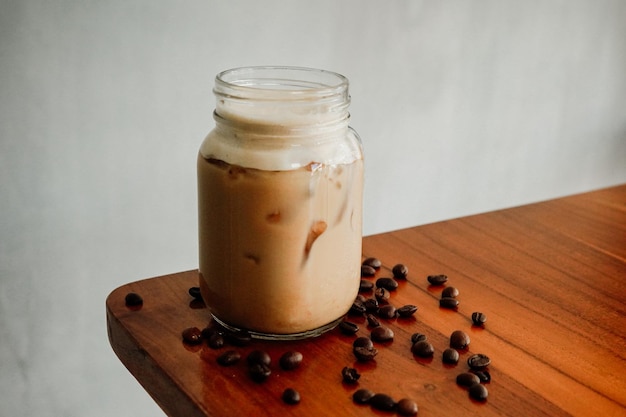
(280, 182)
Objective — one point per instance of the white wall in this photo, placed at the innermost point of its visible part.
(463, 106)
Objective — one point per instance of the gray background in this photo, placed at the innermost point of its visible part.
(463, 107)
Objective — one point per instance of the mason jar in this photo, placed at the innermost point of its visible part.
(280, 184)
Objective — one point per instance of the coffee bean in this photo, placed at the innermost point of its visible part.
(478, 318)
(362, 396)
(459, 340)
(238, 338)
(484, 376)
(382, 295)
(350, 375)
(478, 361)
(407, 310)
(259, 372)
(400, 271)
(382, 334)
(423, 349)
(259, 356)
(357, 308)
(371, 305)
(478, 392)
(362, 341)
(367, 271)
(449, 292)
(382, 402)
(348, 328)
(290, 360)
(133, 300)
(467, 379)
(406, 407)
(387, 312)
(449, 302)
(364, 354)
(192, 335)
(291, 396)
(372, 320)
(389, 284)
(366, 286)
(418, 337)
(228, 358)
(373, 262)
(215, 341)
(450, 356)
(195, 293)
(437, 279)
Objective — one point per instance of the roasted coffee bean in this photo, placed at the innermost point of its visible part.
(400, 271)
(407, 310)
(362, 396)
(459, 340)
(192, 335)
(389, 284)
(228, 358)
(371, 305)
(362, 341)
(450, 356)
(348, 328)
(478, 392)
(387, 312)
(259, 356)
(478, 318)
(484, 376)
(372, 320)
(291, 396)
(373, 262)
(367, 271)
(449, 292)
(437, 279)
(259, 372)
(133, 299)
(449, 302)
(350, 375)
(382, 295)
(478, 361)
(423, 349)
(358, 308)
(195, 293)
(406, 407)
(467, 379)
(210, 330)
(382, 334)
(290, 360)
(364, 354)
(238, 338)
(215, 341)
(366, 286)
(382, 402)
(361, 298)
(418, 337)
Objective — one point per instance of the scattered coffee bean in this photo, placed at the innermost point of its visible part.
(133, 299)
(382, 402)
(367, 271)
(361, 298)
(400, 271)
(449, 302)
(373, 262)
(209, 331)
(389, 284)
(364, 354)
(437, 279)
(418, 337)
(228, 358)
(484, 376)
(406, 407)
(382, 334)
(372, 320)
(238, 338)
(357, 308)
(407, 310)
(467, 379)
(350, 375)
(195, 293)
(348, 328)
(259, 372)
(382, 295)
(423, 349)
(290, 360)
(259, 356)
(371, 305)
(478, 361)
(478, 392)
(387, 312)
(366, 286)
(449, 292)
(362, 396)
(478, 318)
(192, 335)
(215, 340)
(459, 340)
(291, 396)
(362, 341)
(450, 356)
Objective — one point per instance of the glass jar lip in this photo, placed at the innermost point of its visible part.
(281, 83)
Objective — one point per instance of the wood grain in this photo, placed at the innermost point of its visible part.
(551, 278)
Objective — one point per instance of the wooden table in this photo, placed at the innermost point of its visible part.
(551, 278)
